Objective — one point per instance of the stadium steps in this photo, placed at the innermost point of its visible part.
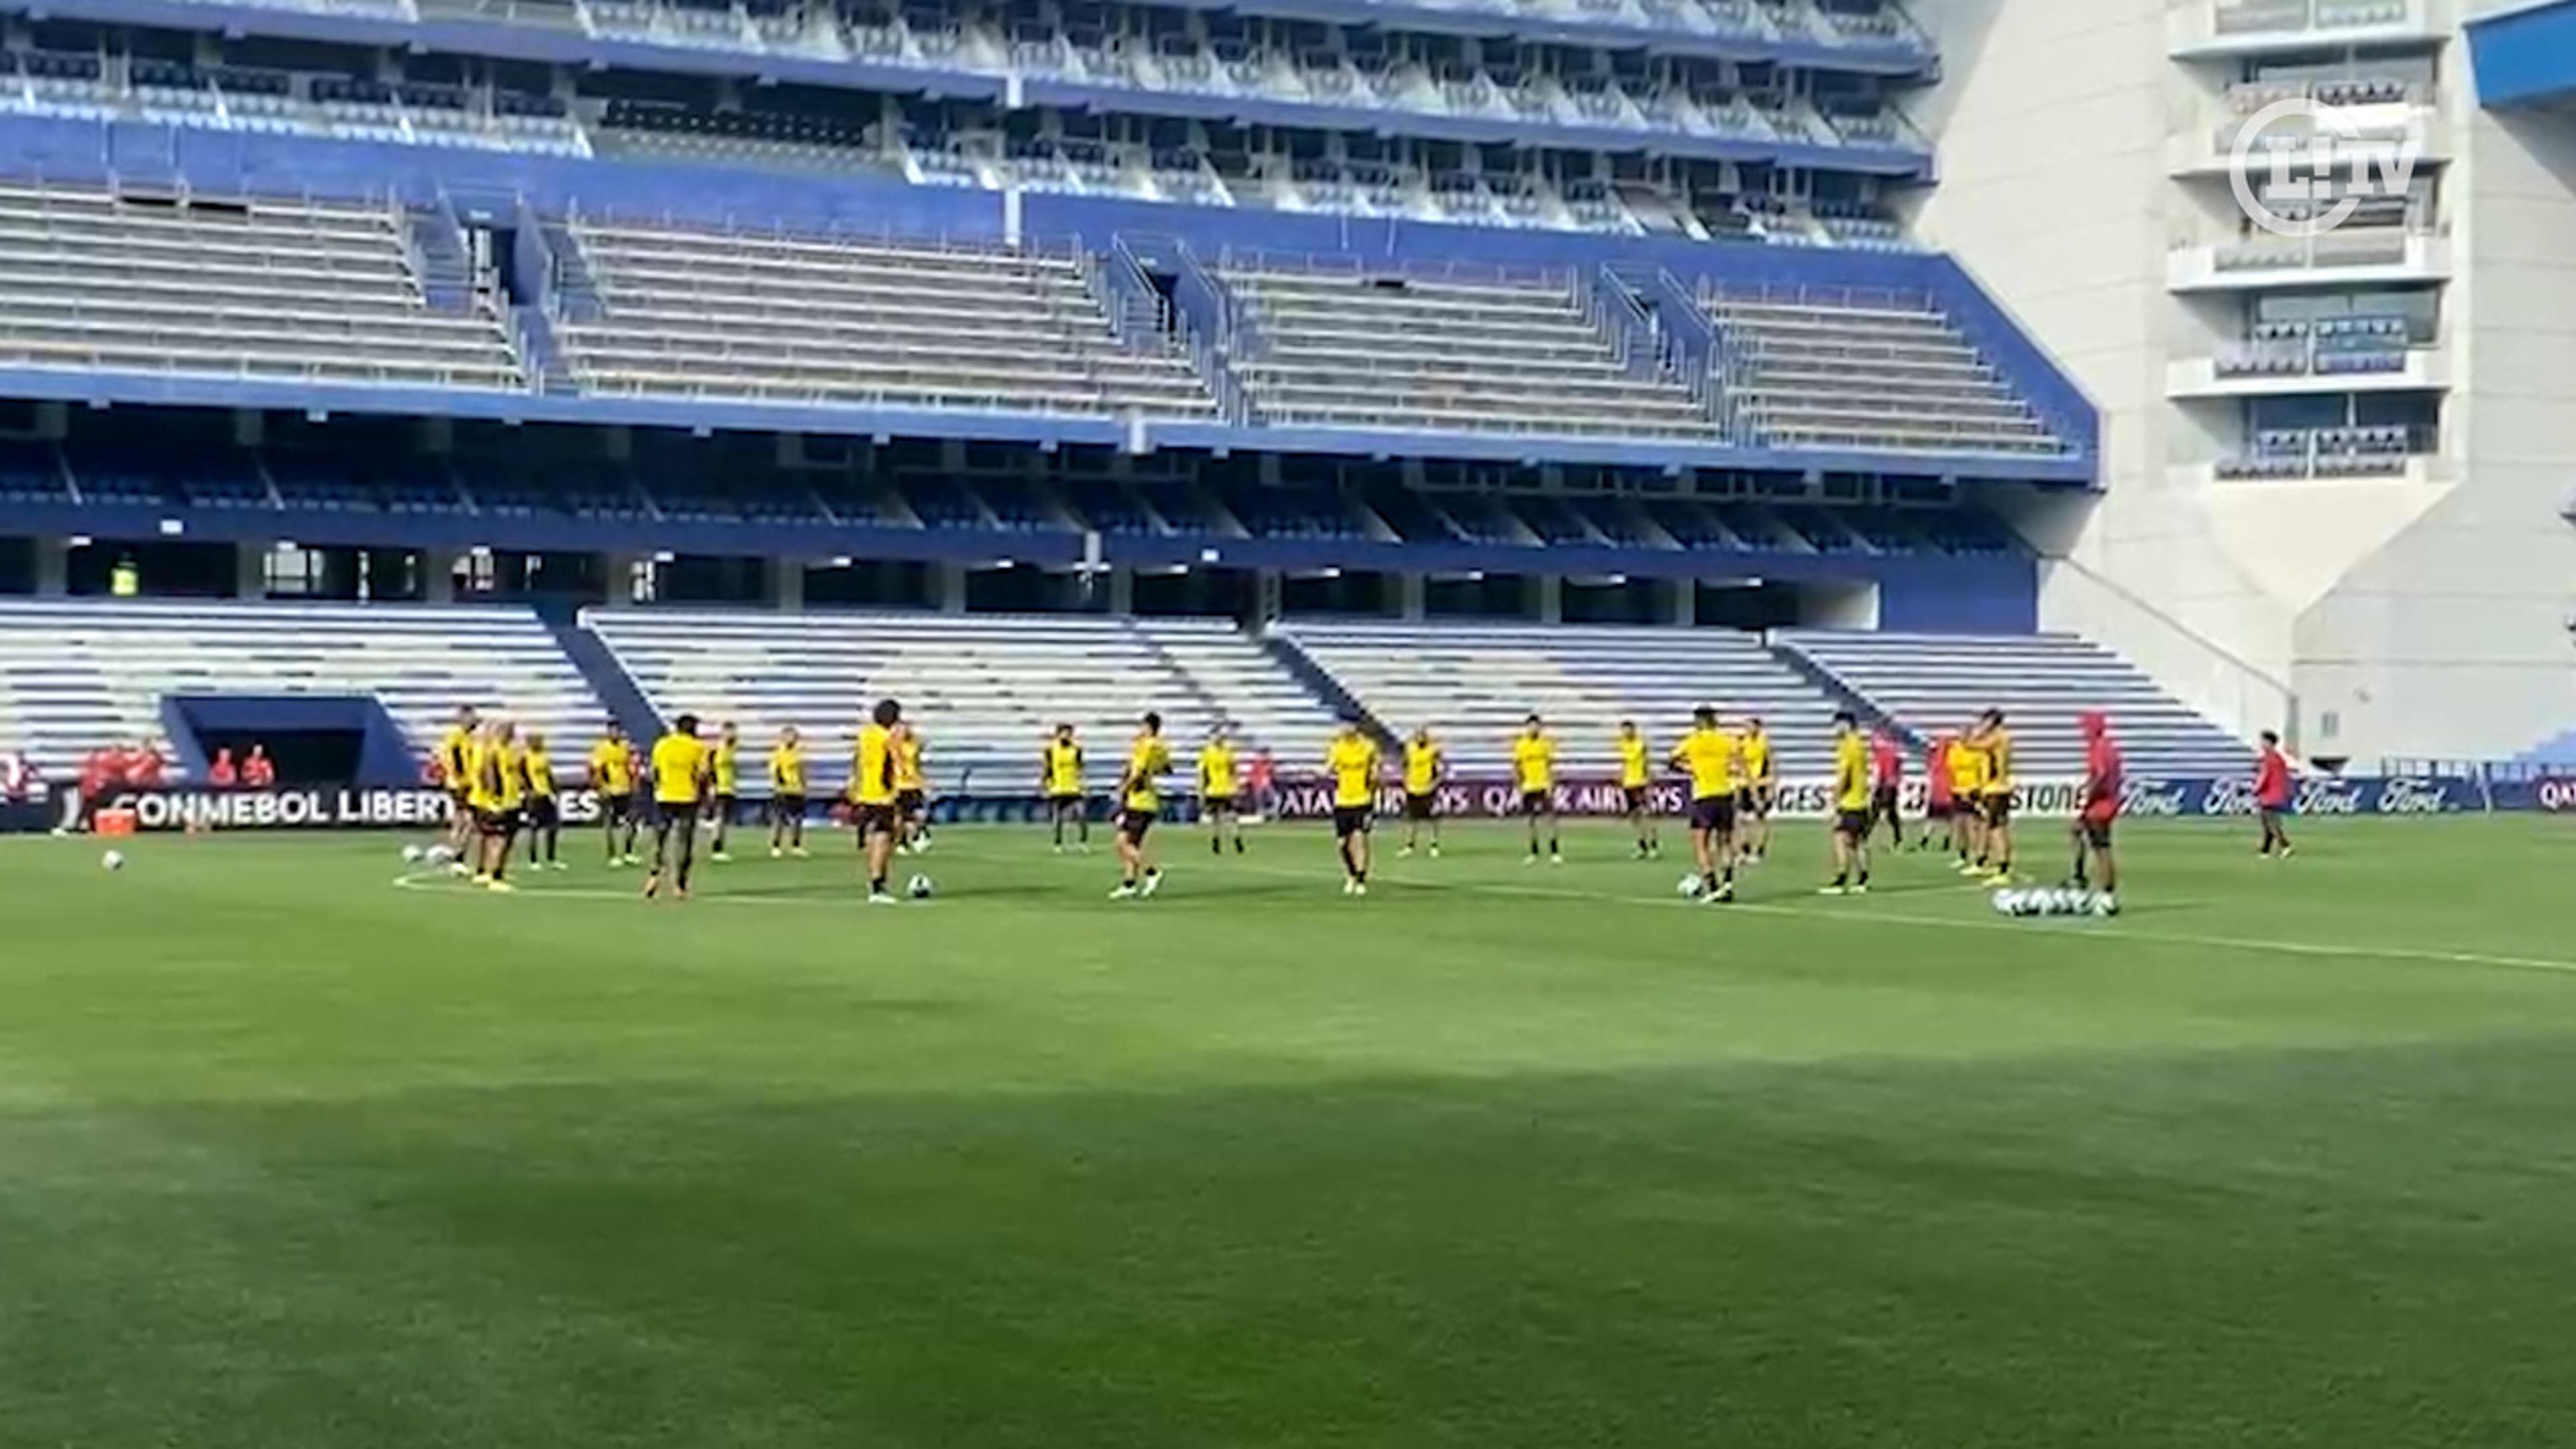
(1320, 682)
(575, 288)
(436, 247)
(1843, 695)
(532, 336)
(607, 675)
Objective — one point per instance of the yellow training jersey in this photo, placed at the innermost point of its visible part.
(787, 770)
(612, 767)
(872, 769)
(455, 758)
(1967, 768)
(482, 790)
(1353, 762)
(907, 762)
(1147, 763)
(1757, 757)
(1216, 772)
(1851, 772)
(1633, 769)
(1421, 766)
(1998, 766)
(1534, 762)
(539, 767)
(727, 770)
(1063, 768)
(509, 766)
(679, 767)
(1710, 754)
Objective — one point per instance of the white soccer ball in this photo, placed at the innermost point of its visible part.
(2007, 903)
(113, 860)
(1689, 887)
(412, 854)
(921, 845)
(2106, 904)
(919, 888)
(438, 854)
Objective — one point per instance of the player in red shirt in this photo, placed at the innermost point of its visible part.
(1887, 782)
(2092, 829)
(258, 772)
(1261, 782)
(144, 766)
(1940, 807)
(2272, 796)
(221, 774)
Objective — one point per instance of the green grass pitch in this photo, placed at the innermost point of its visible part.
(2286, 1155)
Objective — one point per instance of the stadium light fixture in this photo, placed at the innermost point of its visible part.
(663, 555)
(173, 527)
(840, 560)
(1330, 573)
(1209, 555)
(77, 540)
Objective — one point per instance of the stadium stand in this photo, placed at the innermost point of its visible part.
(1338, 346)
(713, 314)
(312, 291)
(984, 690)
(1473, 683)
(81, 674)
(1816, 368)
(1930, 682)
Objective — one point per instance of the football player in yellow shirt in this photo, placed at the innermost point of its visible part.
(1761, 791)
(1060, 780)
(1352, 762)
(1140, 801)
(680, 775)
(1709, 756)
(482, 800)
(1995, 793)
(612, 775)
(1220, 786)
(455, 771)
(911, 792)
(1534, 773)
(502, 777)
(787, 794)
(1851, 808)
(1636, 776)
(873, 793)
(1426, 768)
(724, 764)
(545, 814)
(1967, 789)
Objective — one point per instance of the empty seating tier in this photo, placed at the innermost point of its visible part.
(985, 690)
(1890, 373)
(81, 675)
(292, 290)
(830, 320)
(1474, 684)
(1343, 350)
(1930, 682)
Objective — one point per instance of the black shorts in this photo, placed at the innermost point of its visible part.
(1883, 800)
(1133, 823)
(543, 812)
(497, 822)
(724, 805)
(1938, 810)
(1997, 808)
(1420, 807)
(1634, 795)
(1854, 823)
(676, 812)
(872, 819)
(909, 802)
(2097, 830)
(460, 806)
(1065, 802)
(1758, 800)
(786, 807)
(1537, 802)
(616, 809)
(1219, 805)
(1713, 812)
(1349, 820)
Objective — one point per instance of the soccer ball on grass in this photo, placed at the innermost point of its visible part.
(113, 860)
(919, 888)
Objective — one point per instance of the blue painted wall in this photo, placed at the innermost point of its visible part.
(2525, 57)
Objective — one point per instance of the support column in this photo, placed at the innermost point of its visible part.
(791, 585)
(1411, 592)
(438, 577)
(53, 568)
(1685, 602)
(1549, 595)
(250, 571)
(1122, 591)
(1265, 598)
(948, 587)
